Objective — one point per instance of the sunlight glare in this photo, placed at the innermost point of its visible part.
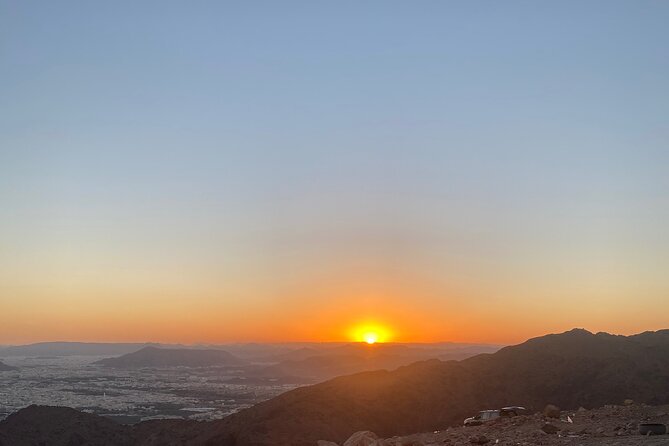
(371, 338)
(370, 333)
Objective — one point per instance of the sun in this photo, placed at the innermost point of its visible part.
(371, 338)
(370, 333)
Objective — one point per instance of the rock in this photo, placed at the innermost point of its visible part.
(362, 438)
(326, 443)
(478, 439)
(628, 402)
(551, 411)
(582, 409)
(550, 428)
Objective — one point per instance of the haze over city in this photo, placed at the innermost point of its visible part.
(303, 171)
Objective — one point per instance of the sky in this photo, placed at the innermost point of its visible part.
(474, 171)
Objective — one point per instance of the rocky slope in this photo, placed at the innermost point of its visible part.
(609, 425)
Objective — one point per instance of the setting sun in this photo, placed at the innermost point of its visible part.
(371, 338)
(371, 333)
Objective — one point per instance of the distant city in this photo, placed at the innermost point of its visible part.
(131, 382)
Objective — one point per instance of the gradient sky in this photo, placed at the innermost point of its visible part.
(235, 171)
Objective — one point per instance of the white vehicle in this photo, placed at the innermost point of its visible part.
(487, 415)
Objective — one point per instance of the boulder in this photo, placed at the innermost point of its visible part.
(551, 411)
(362, 438)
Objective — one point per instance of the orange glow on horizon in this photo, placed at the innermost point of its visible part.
(333, 308)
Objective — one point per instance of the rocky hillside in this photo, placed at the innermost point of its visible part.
(609, 425)
(168, 357)
(572, 369)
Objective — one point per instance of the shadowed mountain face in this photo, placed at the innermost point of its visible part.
(60, 426)
(576, 368)
(168, 357)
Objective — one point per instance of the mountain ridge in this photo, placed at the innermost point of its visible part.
(171, 357)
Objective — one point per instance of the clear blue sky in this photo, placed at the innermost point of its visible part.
(509, 153)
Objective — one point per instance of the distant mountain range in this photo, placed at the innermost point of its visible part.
(71, 349)
(319, 364)
(299, 363)
(171, 357)
(312, 364)
(252, 352)
(572, 369)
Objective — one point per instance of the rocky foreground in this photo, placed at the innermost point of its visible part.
(609, 425)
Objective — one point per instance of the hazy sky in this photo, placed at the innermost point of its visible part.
(217, 171)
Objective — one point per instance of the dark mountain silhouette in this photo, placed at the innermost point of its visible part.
(60, 426)
(168, 357)
(572, 369)
(5, 368)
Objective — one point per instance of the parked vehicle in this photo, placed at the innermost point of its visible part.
(488, 415)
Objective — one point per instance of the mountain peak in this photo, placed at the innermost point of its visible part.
(578, 332)
(151, 356)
